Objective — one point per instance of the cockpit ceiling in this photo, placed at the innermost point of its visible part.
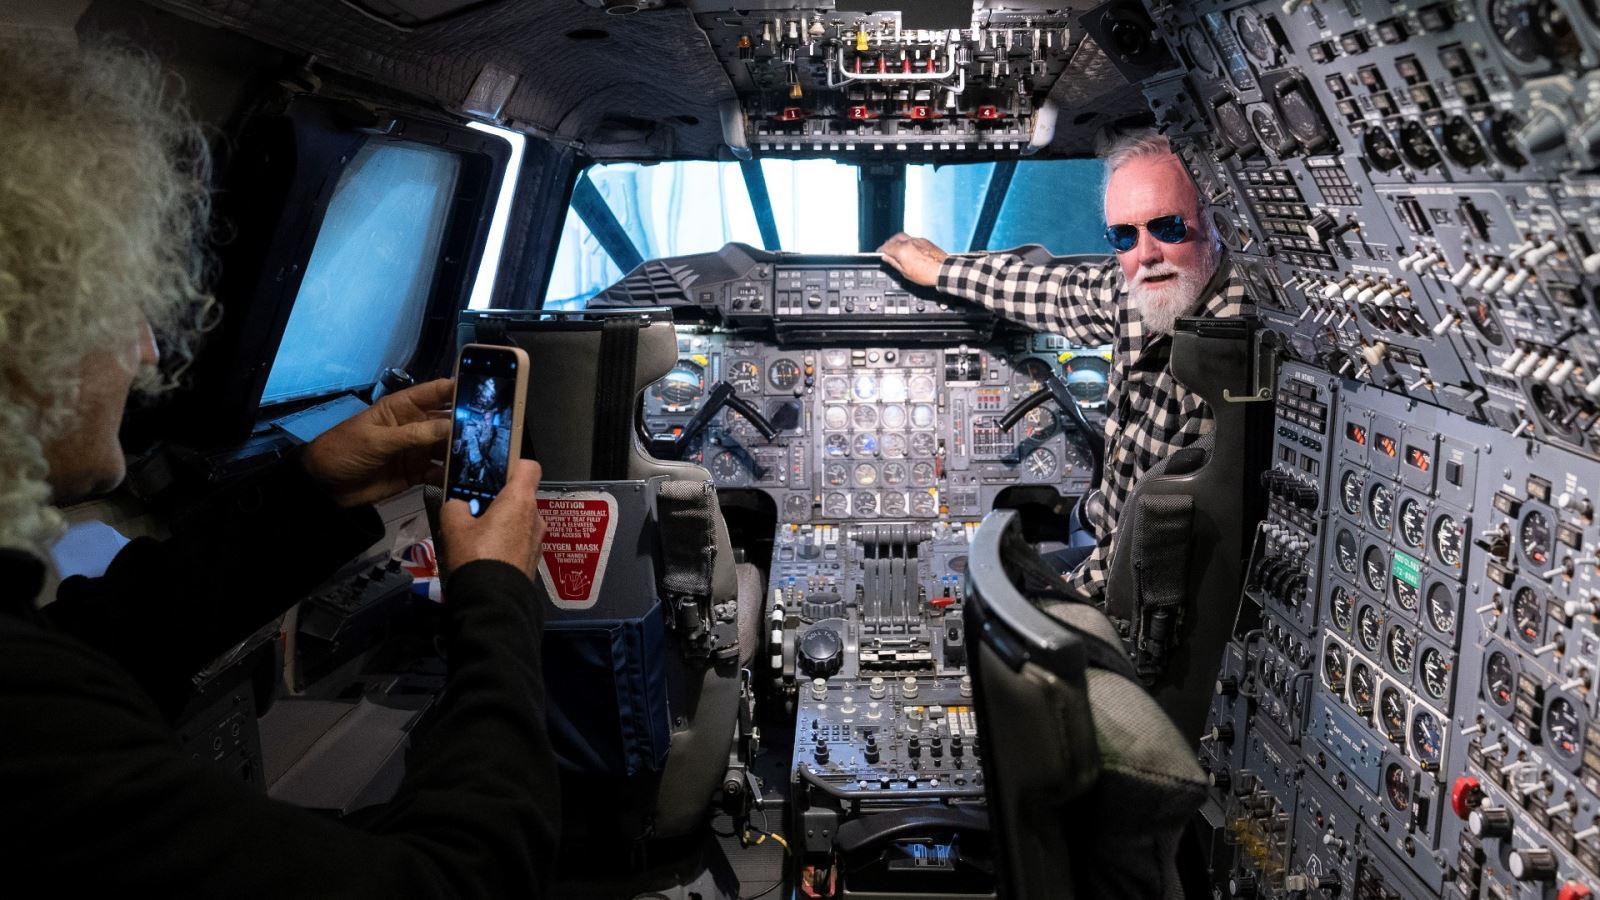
(654, 84)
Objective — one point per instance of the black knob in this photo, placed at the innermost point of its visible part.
(956, 749)
(1242, 885)
(871, 752)
(914, 747)
(821, 652)
(1532, 864)
(821, 752)
(1490, 822)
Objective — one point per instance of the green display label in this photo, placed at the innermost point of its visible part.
(1407, 569)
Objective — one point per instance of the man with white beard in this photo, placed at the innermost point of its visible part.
(1168, 264)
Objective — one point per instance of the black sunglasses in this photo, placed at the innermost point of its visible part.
(1166, 229)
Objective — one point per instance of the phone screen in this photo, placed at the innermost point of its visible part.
(480, 440)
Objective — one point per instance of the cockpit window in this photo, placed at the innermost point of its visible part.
(1056, 203)
(370, 273)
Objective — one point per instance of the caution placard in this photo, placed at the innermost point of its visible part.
(579, 532)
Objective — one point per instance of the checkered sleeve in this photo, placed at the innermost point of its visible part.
(1078, 302)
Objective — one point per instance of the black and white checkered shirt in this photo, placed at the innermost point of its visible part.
(1150, 414)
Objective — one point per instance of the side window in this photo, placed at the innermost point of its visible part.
(360, 306)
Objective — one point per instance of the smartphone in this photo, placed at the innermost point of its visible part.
(486, 429)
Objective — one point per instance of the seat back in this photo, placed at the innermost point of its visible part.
(1089, 783)
(1178, 559)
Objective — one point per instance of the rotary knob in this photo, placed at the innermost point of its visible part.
(821, 651)
(1490, 822)
(1542, 133)
(1323, 227)
(1532, 864)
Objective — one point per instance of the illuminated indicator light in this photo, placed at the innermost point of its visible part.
(1387, 445)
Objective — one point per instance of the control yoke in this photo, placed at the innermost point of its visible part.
(722, 394)
(1056, 389)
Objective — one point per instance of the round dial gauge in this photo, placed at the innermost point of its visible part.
(835, 418)
(745, 376)
(1401, 650)
(1533, 30)
(1253, 36)
(1369, 628)
(836, 358)
(1380, 505)
(836, 445)
(1204, 59)
(1442, 609)
(1086, 379)
(893, 389)
(1563, 728)
(893, 446)
(1527, 615)
(1335, 661)
(894, 474)
(894, 417)
(866, 474)
(682, 387)
(797, 507)
(865, 418)
(1374, 563)
(1397, 787)
(1344, 552)
(1350, 484)
(1447, 541)
(922, 474)
(1499, 681)
(921, 388)
(865, 445)
(922, 444)
(784, 373)
(1427, 739)
(1413, 522)
(1392, 712)
(836, 387)
(865, 387)
(894, 504)
(922, 416)
(1435, 672)
(1341, 607)
(1039, 422)
(727, 468)
(1405, 595)
(1040, 464)
(1029, 375)
(836, 505)
(1535, 538)
(866, 503)
(1363, 684)
(923, 504)
(836, 474)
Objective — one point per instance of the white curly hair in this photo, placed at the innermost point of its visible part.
(104, 205)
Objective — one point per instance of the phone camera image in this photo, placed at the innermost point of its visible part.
(480, 442)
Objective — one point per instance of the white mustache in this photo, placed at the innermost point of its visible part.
(1157, 271)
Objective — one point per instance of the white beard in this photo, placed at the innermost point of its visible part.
(1162, 305)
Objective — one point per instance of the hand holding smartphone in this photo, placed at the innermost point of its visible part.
(486, 422)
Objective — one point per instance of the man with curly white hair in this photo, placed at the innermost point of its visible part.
(103, 186)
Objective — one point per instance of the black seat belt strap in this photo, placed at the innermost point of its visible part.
(613, 414)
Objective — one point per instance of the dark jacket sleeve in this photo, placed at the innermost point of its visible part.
(166, 609)
(99, 800)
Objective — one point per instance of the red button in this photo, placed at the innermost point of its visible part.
(1465, 795)
(1572, 890)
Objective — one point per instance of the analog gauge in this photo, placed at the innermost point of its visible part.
(894, 417)
(1482, 317)
(836, 474)
(836, 387)
(894, 504)
(921, 388)
(1342, 608)
(1392, 712)
(1350, 492)
(1533, 30)
(1204, 59)
(1442, 609)
(682, 387)
(835, 418)
(784, 373)
(865, 445)
(836, 358)
(1374, 564)
(1253, 36)
(1563, 728)
(893, 389)
(1405, 594)
(922, 444)
(1435, 673)
(1535, 535)
(894, 474)
(1397, 786)
(922, 416)
(836, 505)
(865, 418)
(866, 503)
(797, 507)
(836, 445)
(1344, 552)
(1041, 464)
(865, 387)
(1086, 379)
(922, 474)
(1447, 541)
(1413, 522)
(745, 376)
(1269, 130)
(1363, 684)
(738, 427)
(1040, 423)
(1029, 375)
(1369, 628)
(923, 503)
(1380, 505)
(1427, 740)
(727, 468)
(866, 474)
(1499, 680)
(1402, 650)
(893, 446)
(1335, 660)
(1527, 615)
